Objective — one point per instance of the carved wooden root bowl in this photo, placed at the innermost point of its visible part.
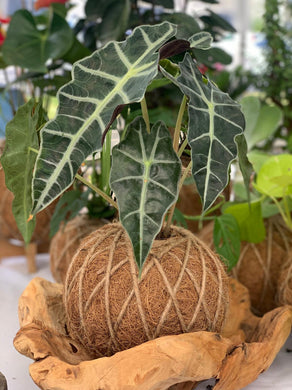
(235, 358)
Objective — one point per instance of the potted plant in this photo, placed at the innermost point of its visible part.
(145, 178)
(140, 278)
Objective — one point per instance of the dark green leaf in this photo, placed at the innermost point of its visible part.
(214, 122)
(28, 47)
(117, 74)
(216, 20)
(114, 21)
(212, 56)
(144, 177)
(76, 52)
(226, 237)
(18, 162)
(186, 24)
(164, 3)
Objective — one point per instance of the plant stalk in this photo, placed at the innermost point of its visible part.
(145, 114)
(98, 191)
(171, 211)
(178, 123)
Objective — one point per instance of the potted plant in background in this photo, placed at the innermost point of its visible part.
(264, 223)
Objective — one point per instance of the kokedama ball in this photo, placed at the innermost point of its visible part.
(284, 290)
(183, 288)
(259, 265)
(66, 241)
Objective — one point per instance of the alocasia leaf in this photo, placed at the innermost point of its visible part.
(116, 74)
(18, 162)
(145, 174)
(214, 122)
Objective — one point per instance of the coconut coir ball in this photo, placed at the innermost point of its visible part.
(284, 287)
(259, 265)
(183, 288)
(66, 241)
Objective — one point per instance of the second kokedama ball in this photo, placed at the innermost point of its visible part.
(183, 288)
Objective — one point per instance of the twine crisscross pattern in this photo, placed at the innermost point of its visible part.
(260, 265)
(66, 241)
(183, 288)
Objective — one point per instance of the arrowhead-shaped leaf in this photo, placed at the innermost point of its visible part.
(145, 174)
(214, 122)
(117, 74)
(18, 162)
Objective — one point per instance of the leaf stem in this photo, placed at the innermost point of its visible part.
(178, 123)
(97, 190)
(171, 211)
(33, 150)
(182, 148)
(145, 114)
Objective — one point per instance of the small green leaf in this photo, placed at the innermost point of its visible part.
(145, 174)
(275, 176)
(226, 237)
(18, 161)
(201, 40)
(178, 219)
(250, 220)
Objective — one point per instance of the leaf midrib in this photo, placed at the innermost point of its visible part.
(121, 83)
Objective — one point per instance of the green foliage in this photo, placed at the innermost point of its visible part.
(68, 207)
(249, 219)
(18, 162)
(214, 122)
(145, 174)
(122, 72)
(262, 120)
(145, 168)
(226, 237)
(276, 80)
(28, 46)
(274, 178)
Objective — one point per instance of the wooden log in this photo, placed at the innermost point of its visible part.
(170, 362)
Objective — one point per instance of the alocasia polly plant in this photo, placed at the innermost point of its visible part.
(146, 168)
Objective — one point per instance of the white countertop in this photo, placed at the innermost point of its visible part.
(13, 280)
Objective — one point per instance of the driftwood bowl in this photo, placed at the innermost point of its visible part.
(246, 347)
